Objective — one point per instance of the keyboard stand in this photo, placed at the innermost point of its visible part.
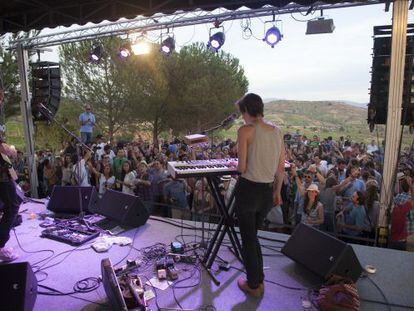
(225, 226)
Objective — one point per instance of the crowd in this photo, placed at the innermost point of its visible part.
(332, 185)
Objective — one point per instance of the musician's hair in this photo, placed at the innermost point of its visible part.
(252, 104)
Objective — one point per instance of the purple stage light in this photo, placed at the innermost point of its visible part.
(167, 46)
(273, 36)
(216, 41)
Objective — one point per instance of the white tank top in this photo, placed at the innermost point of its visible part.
(263, 154)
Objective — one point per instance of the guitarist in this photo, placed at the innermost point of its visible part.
(7, 191)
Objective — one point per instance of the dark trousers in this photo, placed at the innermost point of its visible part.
(11, 208)
(253, 203)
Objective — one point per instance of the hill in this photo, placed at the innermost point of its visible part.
(324, 118)
(326, 115)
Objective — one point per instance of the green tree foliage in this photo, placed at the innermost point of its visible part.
(50, 135)
(10, 76)
(101, 85)
(188, 91)
(205, 86)
(9, 72)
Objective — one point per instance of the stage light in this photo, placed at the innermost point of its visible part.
(167, 46)
(140, 47)
(273, 36)
(124, 51)
(216, 41)
(96, 54)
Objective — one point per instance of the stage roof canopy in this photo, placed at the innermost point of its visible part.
(25, 15)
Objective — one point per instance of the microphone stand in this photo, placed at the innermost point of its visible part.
(50, 117)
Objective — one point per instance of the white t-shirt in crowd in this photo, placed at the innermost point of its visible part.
(84, 174)
(105, 183)
(129, 178)
(100, 151)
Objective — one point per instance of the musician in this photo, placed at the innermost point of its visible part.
(7, 191)
(261, 159)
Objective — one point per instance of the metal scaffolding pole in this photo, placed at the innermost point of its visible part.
(395, 96)
(23, 63)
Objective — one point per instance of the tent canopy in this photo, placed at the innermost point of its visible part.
(25, 15)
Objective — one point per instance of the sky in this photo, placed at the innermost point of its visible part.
(300, 67)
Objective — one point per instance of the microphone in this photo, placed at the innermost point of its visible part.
(228, 121)
(45, 109)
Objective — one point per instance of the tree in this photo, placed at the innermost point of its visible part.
(188, 91)
(102, 85)
(205, 86)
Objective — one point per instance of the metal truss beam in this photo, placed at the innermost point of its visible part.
(163, 22)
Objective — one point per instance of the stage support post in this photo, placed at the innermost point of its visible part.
(25, 107)
(394, 128)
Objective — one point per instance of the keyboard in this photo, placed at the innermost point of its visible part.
(203, 168)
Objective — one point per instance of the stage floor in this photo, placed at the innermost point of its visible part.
(395, 271)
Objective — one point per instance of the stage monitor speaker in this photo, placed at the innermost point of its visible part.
(18, 287)
(125, 209)
(65, 199)
(322, 253)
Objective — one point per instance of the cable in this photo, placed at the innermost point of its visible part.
(381, 292)
(33, 252)
(389, 304)
(275, 283)
(55, 292)
(130, 248)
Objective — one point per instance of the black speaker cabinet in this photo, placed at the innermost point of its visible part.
(65, 199)
(18, 287)
(125, 209)
(322, 253)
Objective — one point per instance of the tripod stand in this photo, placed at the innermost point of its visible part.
(225, 226)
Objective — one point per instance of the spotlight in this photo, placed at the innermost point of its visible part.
(167, 46)
(140, 47)
(216, 41)
(96, 54)
(273, 36)
(124, 51)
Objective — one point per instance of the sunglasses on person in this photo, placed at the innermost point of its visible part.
(308, 176)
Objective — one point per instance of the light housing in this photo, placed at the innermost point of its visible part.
(167, 46)
(216, 41)
(96, 54)
(273, 36)
(125, 51)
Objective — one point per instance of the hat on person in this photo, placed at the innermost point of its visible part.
(371, 182)
(144, 162)
(225, 177)
(313, 187)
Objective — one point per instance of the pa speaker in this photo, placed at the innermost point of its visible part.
(46, 89)
(125, 209)
(72, 199)
(18, 287)
(322, 253)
